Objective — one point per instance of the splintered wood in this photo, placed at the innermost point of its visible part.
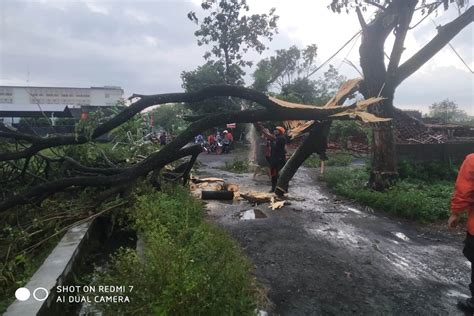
(274, 201)
(296, 128)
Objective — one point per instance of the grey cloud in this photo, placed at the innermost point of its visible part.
(423, 89)
(65, 43)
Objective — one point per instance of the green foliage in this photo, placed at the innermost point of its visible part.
(211, 73)
(289, 71)
(237, 166)
(35, 121)
(170, 117)
(428, 171)
(334, 159)
(189, 266)
(343, 131)
(448, 111)
(232, 33)
(287, 65)
(409, 198)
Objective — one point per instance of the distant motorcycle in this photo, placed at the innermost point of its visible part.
(215, 147)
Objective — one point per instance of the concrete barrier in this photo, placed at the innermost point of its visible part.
(54, 271)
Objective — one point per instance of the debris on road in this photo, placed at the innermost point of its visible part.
(213, 189)
(252, 214)
(217, 195)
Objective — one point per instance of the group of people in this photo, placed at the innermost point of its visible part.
(217, 143)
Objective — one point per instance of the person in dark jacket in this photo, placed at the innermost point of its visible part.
(463, 201)
(277, 157)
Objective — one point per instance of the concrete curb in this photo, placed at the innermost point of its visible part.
(52, 272)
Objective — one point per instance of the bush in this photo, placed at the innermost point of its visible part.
(237, 166)
(428, 171)
(334, 159)
(409, 198)
(189, 267)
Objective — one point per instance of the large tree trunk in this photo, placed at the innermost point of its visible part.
(315, 142)
(372, 61)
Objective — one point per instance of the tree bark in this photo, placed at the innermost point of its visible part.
(315, 142)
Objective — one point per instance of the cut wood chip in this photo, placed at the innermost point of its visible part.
(200, 180)
(276, 204)
(230, 187)
(257, 197)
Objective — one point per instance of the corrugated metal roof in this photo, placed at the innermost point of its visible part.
(5, 107)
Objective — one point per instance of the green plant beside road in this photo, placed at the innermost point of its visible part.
(189, 266)
(410, 198)
(237, 166)
(334, 159)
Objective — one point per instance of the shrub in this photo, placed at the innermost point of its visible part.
(334, 159)
(409, 198)
(237, 166)
(189, 267)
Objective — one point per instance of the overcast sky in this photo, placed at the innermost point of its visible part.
(143, 46)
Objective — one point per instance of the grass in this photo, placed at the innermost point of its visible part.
(411, 198)
(189, 267)
(237, 166)
(334, 159)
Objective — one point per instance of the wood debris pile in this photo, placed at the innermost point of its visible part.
(197, 185)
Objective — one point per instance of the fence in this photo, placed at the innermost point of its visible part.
(455, 152)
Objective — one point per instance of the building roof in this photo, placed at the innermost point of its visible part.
(58, 87)
(29, 110)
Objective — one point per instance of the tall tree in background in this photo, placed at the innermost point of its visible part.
(211, 73)
(448, 111)
(287, 73)
(394, 17)
(231, 33)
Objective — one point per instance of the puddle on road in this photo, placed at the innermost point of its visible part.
(401, 236)
(353, 210)
(251, 214)
(455, 293)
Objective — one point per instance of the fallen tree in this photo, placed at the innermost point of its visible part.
(271, 110)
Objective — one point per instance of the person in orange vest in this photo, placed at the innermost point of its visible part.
(463, 200)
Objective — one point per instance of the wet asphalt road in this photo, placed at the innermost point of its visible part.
(324, 256)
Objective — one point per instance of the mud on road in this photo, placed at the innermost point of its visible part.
(324, 256)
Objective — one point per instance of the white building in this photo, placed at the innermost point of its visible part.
(17, 99)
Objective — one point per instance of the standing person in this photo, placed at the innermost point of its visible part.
(277, 151)
(163, 139)
(262, 156)
(211, 140)
(230, 137)
(225, 143)
(199, 139)
(463, 200)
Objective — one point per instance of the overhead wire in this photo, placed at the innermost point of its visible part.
(455, 52)
(334, 55)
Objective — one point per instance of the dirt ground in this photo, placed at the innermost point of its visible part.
(325, 256)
